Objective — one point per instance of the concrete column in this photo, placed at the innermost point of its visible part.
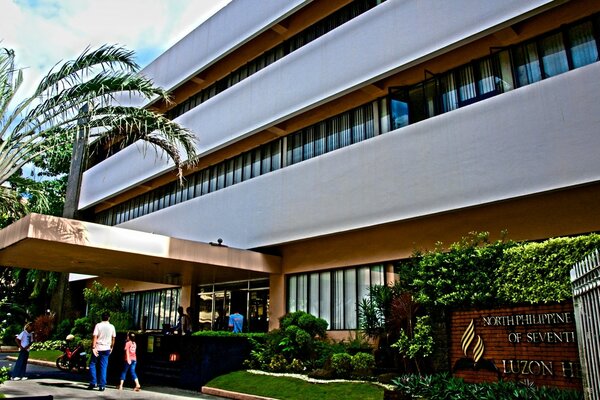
(390, 276)
(277, 299)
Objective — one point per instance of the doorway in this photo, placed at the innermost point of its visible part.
(250, 298)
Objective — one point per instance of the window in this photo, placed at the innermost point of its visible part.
(333, 295)
(569, 47)
(584, 49)
(527, 64)
(554, 55)
(155, 308)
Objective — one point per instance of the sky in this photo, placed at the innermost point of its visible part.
(45, 32)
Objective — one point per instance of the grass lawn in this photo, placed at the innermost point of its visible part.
(45, 355)
(287, 388)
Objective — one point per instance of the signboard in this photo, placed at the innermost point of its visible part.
(533, 344)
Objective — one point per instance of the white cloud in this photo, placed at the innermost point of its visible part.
(44, 32)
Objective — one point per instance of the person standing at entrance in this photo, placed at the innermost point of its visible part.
(24, 340)
(236, 321)
(103, 341)
(130, 362)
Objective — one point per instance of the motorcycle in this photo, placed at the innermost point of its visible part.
(72, 359)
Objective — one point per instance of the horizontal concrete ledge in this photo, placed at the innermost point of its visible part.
(232, 395)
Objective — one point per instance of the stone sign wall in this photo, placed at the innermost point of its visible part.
(533, 344)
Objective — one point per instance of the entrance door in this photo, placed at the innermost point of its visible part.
(249, 298)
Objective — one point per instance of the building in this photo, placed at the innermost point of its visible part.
(335, 138)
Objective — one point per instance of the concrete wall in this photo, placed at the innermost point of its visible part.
(535, 139)
(389, 38)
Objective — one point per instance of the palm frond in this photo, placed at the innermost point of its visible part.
(81, 94)
(107, 57)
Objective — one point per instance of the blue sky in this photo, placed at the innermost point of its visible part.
(45, 32)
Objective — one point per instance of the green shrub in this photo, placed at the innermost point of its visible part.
(9, 332)
(4, 371)
(362, 364)
(48, 345)
(296, 339)
(278, 363)
(62, 329)
(83, 327)
(443, 386)
(312, 325)
(476, 273)
(296, 366)
(539, 272)
(341, 363)
(464, 275)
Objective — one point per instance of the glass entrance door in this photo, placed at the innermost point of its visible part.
(249, 298)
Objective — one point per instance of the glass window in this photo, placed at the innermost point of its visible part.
(467, 92)
(256, 160)
(505, 82)
(302, 293)
(338, 300)
(237, 173)
(399, 111)
(191, 185)
(276, 155)
(212, 184)
(377, 275)
(384, 116)
(449, 96)
(309, 141)
(320, 138)
(266, 159)
(359, 125)
(313, 304)
(294, 149)
(416, 101)
(343, 122)
(206, 181)
(554, 56)
(292, 296)
(333, 135)
(527, 64)
(350, 310)
(584, 49)
(229, 169)
(363, 282)
(247, 169)
(487, 80)
(325, 296)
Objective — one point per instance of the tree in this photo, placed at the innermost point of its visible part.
(77, 99)
(79, 95)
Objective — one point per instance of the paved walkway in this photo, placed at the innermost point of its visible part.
(65, 389)
(45, 379)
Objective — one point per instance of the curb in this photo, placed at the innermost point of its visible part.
(232, 395)
(35, 362)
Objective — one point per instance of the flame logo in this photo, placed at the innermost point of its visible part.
(467, 339)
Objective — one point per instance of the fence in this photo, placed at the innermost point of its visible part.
(585, 278)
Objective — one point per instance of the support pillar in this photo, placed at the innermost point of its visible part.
(277, 299)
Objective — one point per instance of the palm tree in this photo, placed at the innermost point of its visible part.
(79, 95)
(75, 97)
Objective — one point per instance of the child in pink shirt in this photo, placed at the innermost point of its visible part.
(130, 362)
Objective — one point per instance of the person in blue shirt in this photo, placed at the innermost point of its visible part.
(236, 321)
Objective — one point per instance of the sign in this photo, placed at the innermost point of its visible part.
(533, 344)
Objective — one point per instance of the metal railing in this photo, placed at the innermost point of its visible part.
(585, 279)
